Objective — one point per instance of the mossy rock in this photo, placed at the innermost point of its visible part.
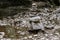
(10, 31)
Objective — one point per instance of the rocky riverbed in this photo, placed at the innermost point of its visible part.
(45, 19)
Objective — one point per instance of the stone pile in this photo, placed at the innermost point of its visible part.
(35, 20)
(48, 19)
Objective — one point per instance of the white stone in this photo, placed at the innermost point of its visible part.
(50, 25)
(29, 36)
(34, 18)
(22, 33)
(50, 34)
(8, 39)
(35, 35)
(46, 34)
(18, 31)
(57, 27)
(47, 39)
(43, 38)
(34, 4)
(1, 36)
(25, 37)
(2, 39)
(57, 33)
(37, 26)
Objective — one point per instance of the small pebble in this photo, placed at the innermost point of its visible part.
(25, 37)
(30, 37)
(35, 35)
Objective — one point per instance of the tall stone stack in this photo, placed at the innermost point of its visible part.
(34, 7)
